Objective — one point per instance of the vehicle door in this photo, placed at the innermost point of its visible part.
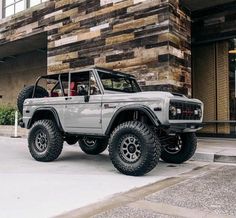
(83, 111)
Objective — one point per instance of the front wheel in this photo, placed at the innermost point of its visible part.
(133, 148)
(180, 148)
(93, 146)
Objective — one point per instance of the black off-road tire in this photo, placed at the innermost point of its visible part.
(27, 92)
(95, 148)
(188, 148)
(149, 151)
(54, 143)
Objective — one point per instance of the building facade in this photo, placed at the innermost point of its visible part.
(179, 46)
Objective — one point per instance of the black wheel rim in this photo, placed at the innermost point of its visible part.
(89, 142)
(41, 141)
(175, 145)
(130, 148)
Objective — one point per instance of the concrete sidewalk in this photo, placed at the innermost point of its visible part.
(216, 150)
(207, 191)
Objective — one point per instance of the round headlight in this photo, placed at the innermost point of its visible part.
(200, 112)
(173, 110)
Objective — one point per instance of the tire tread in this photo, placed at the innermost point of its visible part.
(189, 148)
(153, 153)
(27, 92)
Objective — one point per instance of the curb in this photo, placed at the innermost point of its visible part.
(224, 158)
(203, 156)
(214, 157)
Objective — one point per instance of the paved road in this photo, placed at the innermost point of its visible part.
(34, 189)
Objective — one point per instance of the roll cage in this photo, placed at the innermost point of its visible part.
(59, 77)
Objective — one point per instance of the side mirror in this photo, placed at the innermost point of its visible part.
(86, 98)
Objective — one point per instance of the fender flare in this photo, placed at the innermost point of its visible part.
(51, 110)
(151, 115)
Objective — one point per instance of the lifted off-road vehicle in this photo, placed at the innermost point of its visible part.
(98, 107)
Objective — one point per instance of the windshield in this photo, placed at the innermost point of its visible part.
(118, 83)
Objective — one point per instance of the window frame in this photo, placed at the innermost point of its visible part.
(90, 74)
(26, 6)
(133, 83)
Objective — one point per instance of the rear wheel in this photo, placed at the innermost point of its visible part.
(134, 149)
(45, 141)
(93, 146)
(180, 148)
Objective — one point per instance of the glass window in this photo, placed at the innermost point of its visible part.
(118, 83)
(34, 2)
(19, 6)
(9, 2)
(11, 7)
(9, 10)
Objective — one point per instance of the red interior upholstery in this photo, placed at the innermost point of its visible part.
(54, 94)
(73, 89)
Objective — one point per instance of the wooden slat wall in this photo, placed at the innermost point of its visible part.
(137, 36)
(222, 71)
(211, 83)
(204, 85)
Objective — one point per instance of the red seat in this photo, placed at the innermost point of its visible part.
(73, 89)
(54, 94)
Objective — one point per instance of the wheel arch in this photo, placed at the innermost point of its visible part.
(125, 113)
(45, 113)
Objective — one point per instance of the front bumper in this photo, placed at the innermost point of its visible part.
(183, 127)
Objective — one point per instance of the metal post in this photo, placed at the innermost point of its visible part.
(16, 126)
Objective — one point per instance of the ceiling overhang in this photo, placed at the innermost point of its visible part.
(24, 45)
(197, 5)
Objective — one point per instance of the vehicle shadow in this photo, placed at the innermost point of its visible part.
(74, 156)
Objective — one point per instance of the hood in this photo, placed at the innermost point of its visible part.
(139, 96)
(146, 96)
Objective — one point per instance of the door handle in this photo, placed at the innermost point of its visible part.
(106, 106)
(68, 98)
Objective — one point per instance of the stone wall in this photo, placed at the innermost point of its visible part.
(148, 38)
